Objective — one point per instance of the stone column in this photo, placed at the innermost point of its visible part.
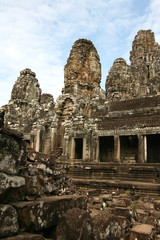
(84, 149)
(145, 148)
(97, 150)
(37, 145)
(52, 138)
(72, 148)
(32, 141)
(117, 151)
(140, 149)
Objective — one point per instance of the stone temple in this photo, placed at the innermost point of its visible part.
(88, 124)
(88, 165)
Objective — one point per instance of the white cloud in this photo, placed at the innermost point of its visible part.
(38, 34)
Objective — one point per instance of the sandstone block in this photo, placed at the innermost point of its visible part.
(10, 182)
(142, 232)
(38, 182)
(141, 215)
(12, 152)
(75, 224)
(45, 212)
(121, 211)
(8, 221)
(107, 226)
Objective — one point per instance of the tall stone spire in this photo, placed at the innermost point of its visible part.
(141, 78)
(26, 88)
(144, 47)
(82, 73)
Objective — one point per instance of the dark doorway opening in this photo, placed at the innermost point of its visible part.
(106, 148)
(153, 148)
(129, 148)
(78, 148)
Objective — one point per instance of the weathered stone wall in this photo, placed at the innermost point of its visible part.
(24, 178)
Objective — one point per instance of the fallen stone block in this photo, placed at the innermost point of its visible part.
(119, 203)
(75, 224)
(121, 211)
(38, 183)
(107, 226)
(142, 232)
(8, 221)
(148, 207)
(45, 212)
(9, 182)
(141, 215)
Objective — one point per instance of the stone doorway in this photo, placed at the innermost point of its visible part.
(78, 148)
(129, 148)
(153, 148)
(106, 149)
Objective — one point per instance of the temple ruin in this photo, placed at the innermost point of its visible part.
(101, 141)
(120, 124)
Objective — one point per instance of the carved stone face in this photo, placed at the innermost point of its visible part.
(26, 88)
(141, 77)
(83, 66)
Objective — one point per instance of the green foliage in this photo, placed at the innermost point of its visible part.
(128, 192)
(133, 206)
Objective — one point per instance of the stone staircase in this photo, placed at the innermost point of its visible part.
(141, 177)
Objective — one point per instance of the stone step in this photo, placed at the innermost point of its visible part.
(102, 184)
(126, 172)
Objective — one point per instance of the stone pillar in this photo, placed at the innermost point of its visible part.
(97, 150)
(32, 141)
(145, 148)
(84, 148)
(140, 149)
(52, 138)
(73, 149)
(117, 152)
(37, 145)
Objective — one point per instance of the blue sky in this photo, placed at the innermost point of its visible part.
(39, 34)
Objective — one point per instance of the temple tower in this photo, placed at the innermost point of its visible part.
(82, 73)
